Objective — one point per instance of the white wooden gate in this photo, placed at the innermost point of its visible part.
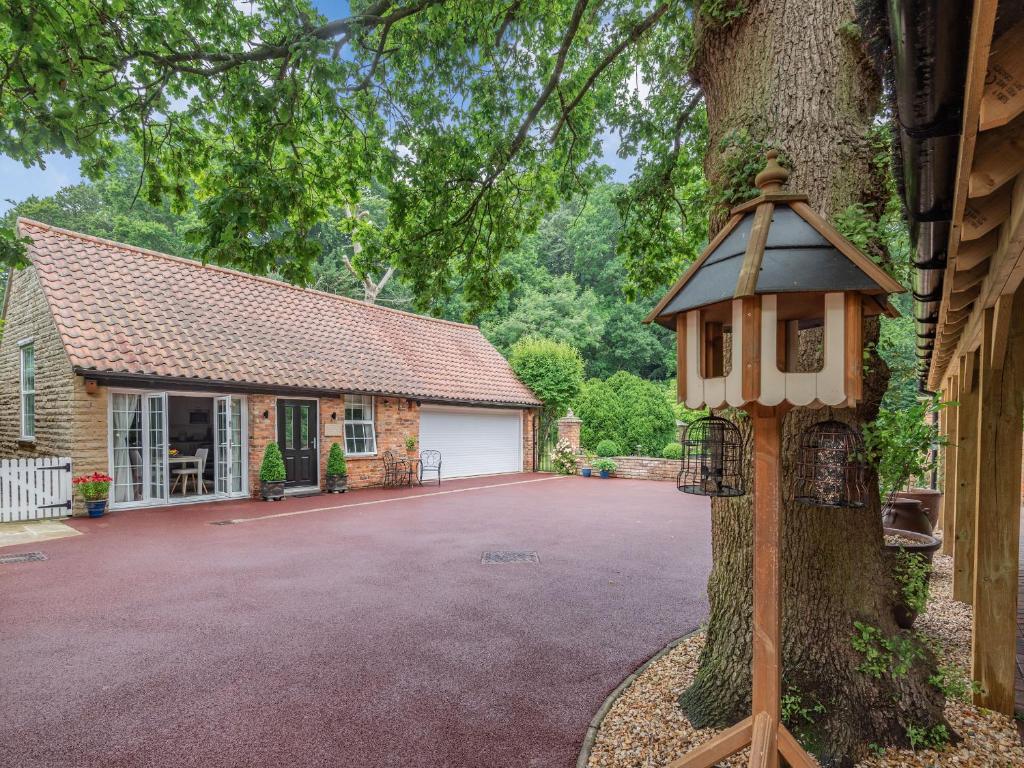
(31, 489)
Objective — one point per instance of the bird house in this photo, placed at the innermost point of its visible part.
(772, 312)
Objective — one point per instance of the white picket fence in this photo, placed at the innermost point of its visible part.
(31, 489)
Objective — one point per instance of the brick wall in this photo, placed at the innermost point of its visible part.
(529, 463)
(646, 468)
(28, 317)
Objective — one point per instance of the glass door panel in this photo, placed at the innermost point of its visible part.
(126, 441)
(228, 422)
(156, 447)
(236, 445)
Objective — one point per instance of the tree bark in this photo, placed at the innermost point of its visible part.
(792, 75)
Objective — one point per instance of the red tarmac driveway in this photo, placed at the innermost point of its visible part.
(364, 635)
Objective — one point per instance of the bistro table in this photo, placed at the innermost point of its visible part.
(183, 461)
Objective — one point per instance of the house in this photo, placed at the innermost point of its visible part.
(141, 364)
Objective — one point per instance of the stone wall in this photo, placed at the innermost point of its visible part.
(646, 468)
(28, 317)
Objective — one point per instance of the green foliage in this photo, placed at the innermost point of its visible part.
(954, 682)
(722, 13)
(272, 467)
(631, 412)
(935, 737)
(601, 412)
(607, 448)
(552, 369)
(564, 458)
(672, 450)
(743, 157)
(473, 123)
(876, 749)
(911, 574)
(898, 442)
(335, 461)
(800, 715)
(605, 465)
(410, 443)
(884, 655)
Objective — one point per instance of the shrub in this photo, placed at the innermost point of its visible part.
(605, 465)
(898, 442)
(336, 461)
(672, 451)
(601, 412)
(648, 420)
(564, 458)
(272, 466)
(607, 448)
(552, 369)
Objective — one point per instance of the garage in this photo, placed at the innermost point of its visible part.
(473, 441)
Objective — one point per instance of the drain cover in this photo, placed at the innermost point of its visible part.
(22, 557)
(509, 556)
(223, 522)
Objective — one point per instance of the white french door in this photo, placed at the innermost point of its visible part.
(156, 470)
(138, 440)
(228, 467)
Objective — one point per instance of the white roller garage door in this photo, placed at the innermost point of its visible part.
(473, 441)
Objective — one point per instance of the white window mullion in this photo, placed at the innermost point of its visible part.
(28, 390)
(360, 435)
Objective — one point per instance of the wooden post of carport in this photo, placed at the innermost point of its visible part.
(998, 503)
(949, 478)
(966, 480)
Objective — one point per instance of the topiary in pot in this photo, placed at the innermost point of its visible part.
(606, 449)
(337, 470)
(272, 473)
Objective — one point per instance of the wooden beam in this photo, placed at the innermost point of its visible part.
(1003, 98)
(793, 753)
(1002, 313)
(751, 352)
(750, 270)
(767, 626)
(763, 742)
(983, 214)
(963, 299)
(681, 357)
(718, 748)
(853, 324)
(952, 394)
(998, 157)
(974, 252)
(966, 482)
(997, 527)
(965, 279)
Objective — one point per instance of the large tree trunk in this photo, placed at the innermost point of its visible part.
(791, 74)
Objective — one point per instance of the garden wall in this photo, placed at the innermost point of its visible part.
(646, 468)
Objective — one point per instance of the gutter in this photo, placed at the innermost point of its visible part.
(929, 42)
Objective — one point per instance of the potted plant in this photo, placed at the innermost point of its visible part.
(605, 467)
(337, 471)
(272, 474)
(410, 444)
(94, 490)
(909, 555)
(588, 461)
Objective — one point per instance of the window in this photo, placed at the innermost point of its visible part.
(28, 391)
(360, 439)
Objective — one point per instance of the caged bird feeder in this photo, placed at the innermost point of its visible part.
(830, 468)
(712, 458)
(770, 317)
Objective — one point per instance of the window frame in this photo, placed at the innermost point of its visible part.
(370, 421)
(23, 393)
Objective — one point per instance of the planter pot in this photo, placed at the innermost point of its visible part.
(907, 515)
(931, 502)
(272, 491)
(919, 544)
(96, 508)
(586, 471)
(337, 483)
(605, 473)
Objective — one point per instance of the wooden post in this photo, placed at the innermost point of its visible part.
(767, 637)
(949, 478)
(966, 481)
(997, 531)
(764, 730)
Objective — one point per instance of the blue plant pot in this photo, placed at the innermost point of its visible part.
(96, 508)
(586, 471)
(605, 473)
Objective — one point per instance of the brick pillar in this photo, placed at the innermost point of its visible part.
(569, 429)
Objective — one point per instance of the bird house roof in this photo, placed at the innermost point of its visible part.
(775, 243)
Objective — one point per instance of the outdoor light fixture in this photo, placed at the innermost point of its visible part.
(266, 415)
(770, 317)
(830, 466)
(712, 458)
(334, 415)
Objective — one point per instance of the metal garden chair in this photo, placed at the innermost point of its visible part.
(397, 471)
(429, 461)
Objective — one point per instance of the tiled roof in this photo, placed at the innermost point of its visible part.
(127, 310)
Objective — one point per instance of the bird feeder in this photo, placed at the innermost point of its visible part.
(830, 468)
(712, 458)
(769, 317)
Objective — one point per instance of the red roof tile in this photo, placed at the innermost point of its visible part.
(127, 310)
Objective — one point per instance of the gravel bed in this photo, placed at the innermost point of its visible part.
(894, 539)
(645, 728)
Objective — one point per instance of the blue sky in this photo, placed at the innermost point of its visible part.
(18, 182)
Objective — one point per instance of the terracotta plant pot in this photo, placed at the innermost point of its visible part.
(919, 544)
(337, 483)
(931, 502)
(907, 515)
(272, 490)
